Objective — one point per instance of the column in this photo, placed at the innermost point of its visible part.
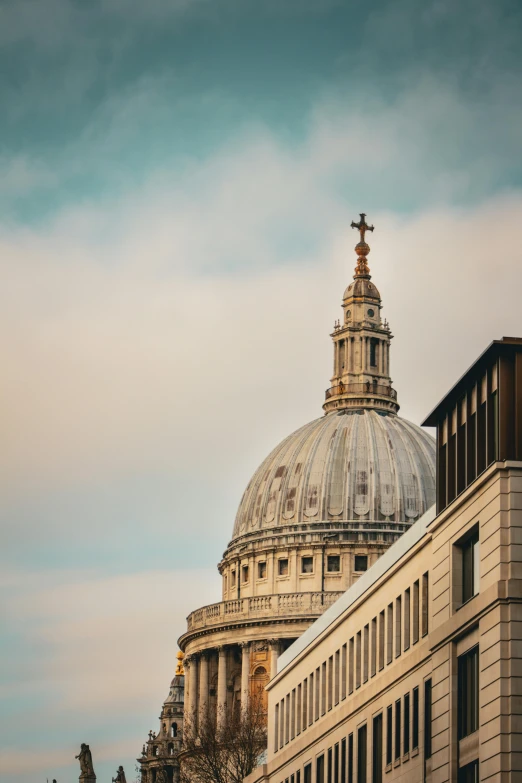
(222, 686)
(203, 686)
(245, 673)
(191, 661)
(274, 654)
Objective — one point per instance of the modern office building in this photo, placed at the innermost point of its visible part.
(415, 673)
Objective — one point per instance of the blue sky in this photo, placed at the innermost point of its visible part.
(176, 186)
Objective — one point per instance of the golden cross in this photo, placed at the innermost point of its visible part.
(362, 225)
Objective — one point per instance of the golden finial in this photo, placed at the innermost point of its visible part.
(362, 248)
(179, 668)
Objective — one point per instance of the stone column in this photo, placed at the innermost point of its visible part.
(245, 673)
(192, 662)
(274, 654)
(222, 685)
(203, 686)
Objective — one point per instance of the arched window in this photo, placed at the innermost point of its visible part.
(170, 749)
(174, 730)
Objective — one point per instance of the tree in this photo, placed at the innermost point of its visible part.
(224, 746)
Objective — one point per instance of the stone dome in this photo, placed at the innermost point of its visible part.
(360, 465)
(362, 287)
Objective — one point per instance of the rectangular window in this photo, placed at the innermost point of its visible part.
(319, 769)
(336, 763)
(292, 778)
(298, 709)
(351, 666)
(415, 721)
(427, 719)
(330, 682)
(261, 570)
(244, 572)
(343, 760)
(304, 720)
(468, 693)
(323, 688)
(282, 723)
(361, 563)
(366, 652)
(287, 719)
(389, 634)
(282, 566)
(276, 729)
(358, 644)
(389, 735)
(307, 565)
(317, 692)
(307, 776)
(330, 765)
(350, 758)
(292, 716)
(337, 676)
(406, 619)
(425, 597)
(397, 729)
(311, 699)
(406, 737)
(469, 773)
(373, 652)
(362, 761)
(470, 565)
(233, 578)
(377, 750)
(381, 640)
(343, 671)
(398, 628)
(298, 776)
(415, 628)
(333, 563)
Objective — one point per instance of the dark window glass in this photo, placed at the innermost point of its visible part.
(245, 573)
(425, 598)
(389, 740)
(282, 566)
(377, 750)
(298, 776)
(373, 349)
(307, 777)
(362, 761)
(361, 563)
(333, 563)
(468, 693)
(329, 770)
(343, 760)
(427, 719)
(406, 738)
(261, 570)
(350, 758)
(319, 769)
(233, 578)
(336, 764)
(470, 567)
(307, 565)
(415, 722)
(398, 729)
(469, 773)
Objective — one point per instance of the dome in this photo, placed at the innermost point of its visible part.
(362, 287)
(359, 465)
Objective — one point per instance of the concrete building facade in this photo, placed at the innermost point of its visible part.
(415, 673)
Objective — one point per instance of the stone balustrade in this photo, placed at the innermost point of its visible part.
(277, 606)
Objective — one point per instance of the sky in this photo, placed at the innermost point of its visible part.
(177, 182)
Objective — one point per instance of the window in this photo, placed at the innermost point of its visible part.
(406, 738)
(244, 573)
(415, 722)
(319, 769)
(330, 765)
(377, 750)
(361, 563)
(233, 578)
(174, 730)
(425, 604)
(305, 705)
(307, 777)
(469, 556)
(358, 644)
(350, 758)
(307, 565)
(311, 700)
(389, 634)
(397, 729)
(343, 760)
(415, 638)
(351, 667)
(330, 682)
(276, 729)
(292, 717)
(323, 688)
(406, 619)
(381, 640)
(336, 763)
(366, 652)
(299, 709)
(336, 676)
(469, 773)
(361, 754)
(398, 630)
(333, 563)
(468, 693)
(282, 566)
(389, 736)
(261, 570)
(427, 719)
(373, 349)
(343, 671)
(373, 656)
(317, 691)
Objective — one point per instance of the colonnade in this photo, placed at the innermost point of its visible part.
(345, 355)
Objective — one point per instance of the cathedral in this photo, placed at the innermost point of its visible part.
(323, 507)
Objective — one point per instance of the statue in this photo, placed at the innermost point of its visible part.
(85, 758)
(120, 776)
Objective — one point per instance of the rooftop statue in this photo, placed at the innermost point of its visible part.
(120, 776)
(85, 758)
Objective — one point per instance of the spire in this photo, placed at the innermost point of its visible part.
(361, 340)
(362, 248)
